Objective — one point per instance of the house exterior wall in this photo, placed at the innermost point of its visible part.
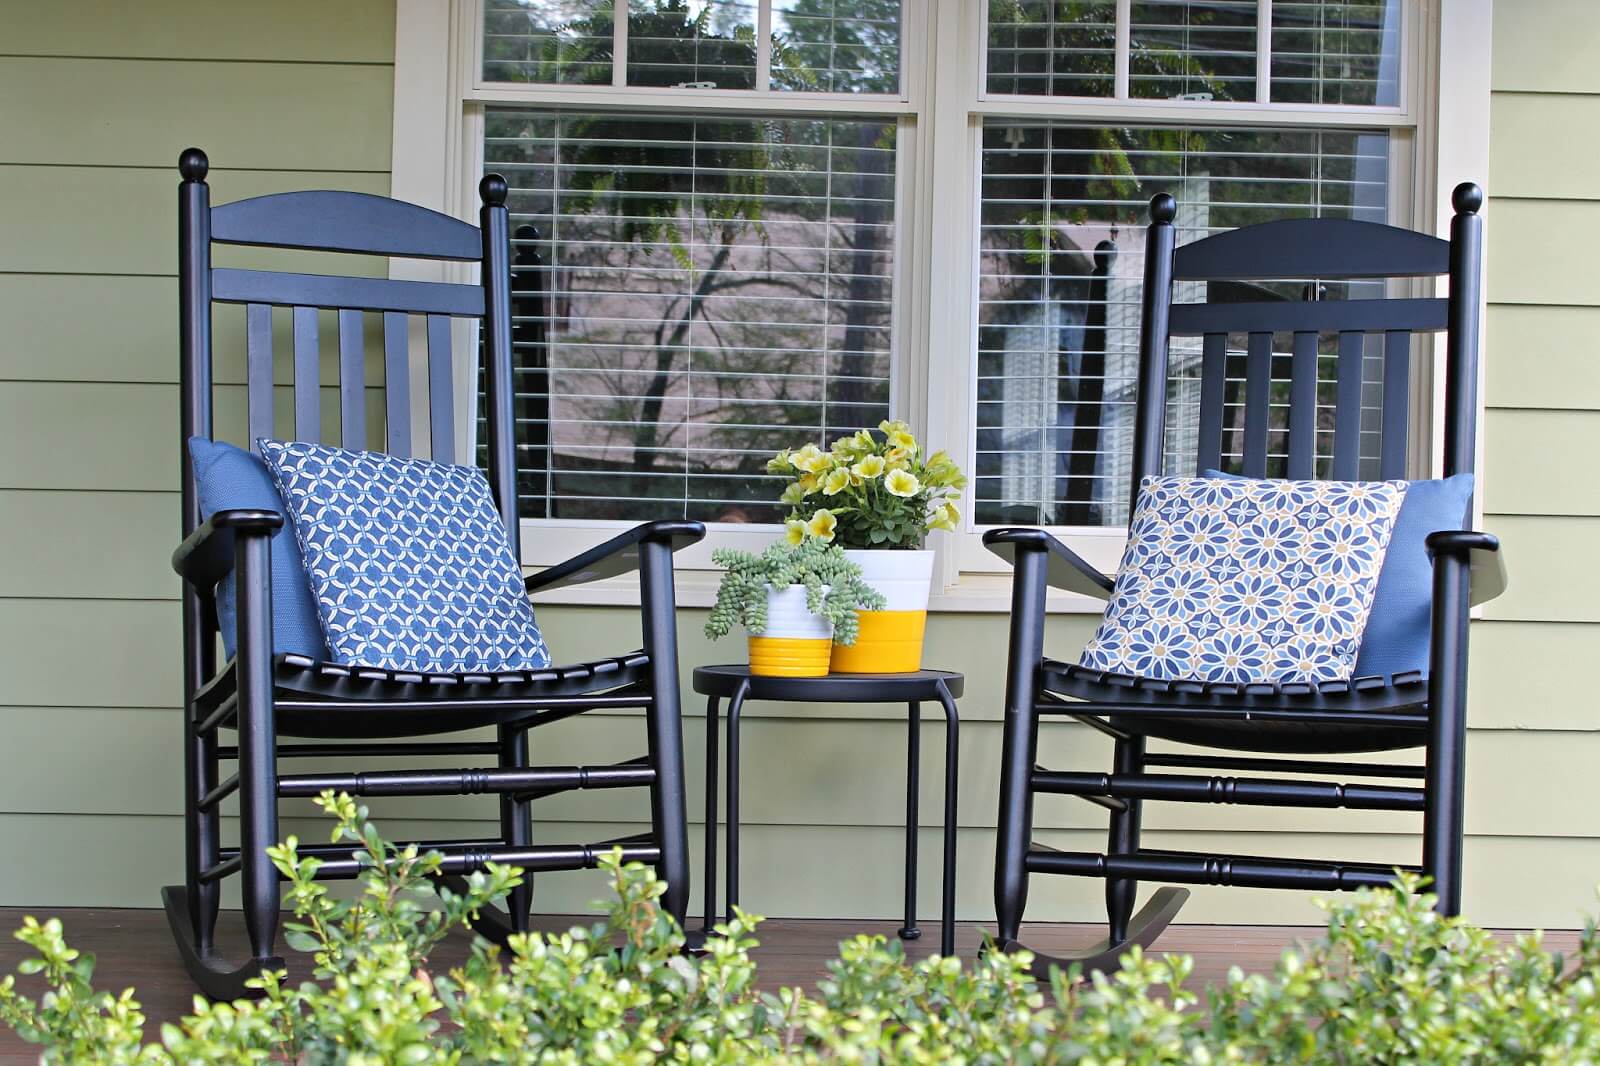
(93, 112)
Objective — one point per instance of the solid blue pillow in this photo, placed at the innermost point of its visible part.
(1399, 627)
(409, 561)
(227, 478)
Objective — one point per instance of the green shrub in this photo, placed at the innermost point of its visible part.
(1393, 982)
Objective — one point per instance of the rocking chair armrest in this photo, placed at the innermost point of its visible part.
(206, 555)
(617, 556)
(1481, 553)
(1065, 569)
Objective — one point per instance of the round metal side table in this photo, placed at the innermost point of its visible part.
(737, 685)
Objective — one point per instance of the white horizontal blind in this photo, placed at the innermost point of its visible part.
(1046, 48)
(718, 288)
(1336, 53)
(828, 46)
(1061, 261)
(837, 46)
(1200, 49)
(709, 44)
(1344, 52)
(548, 41)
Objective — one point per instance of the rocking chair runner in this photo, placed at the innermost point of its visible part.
(1366, 714)
(263, 696)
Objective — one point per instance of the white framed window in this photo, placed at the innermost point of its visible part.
(762, 222)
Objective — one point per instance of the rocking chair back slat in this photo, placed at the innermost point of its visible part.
(441, 417)
(1258, 394)
(1347, 406)
(258, 369)
(397, 384)
(307, 376)
(1396, 402)
(332, 292)
(1303, 407)
(327, 221)
(1213, 390)
(352, 380)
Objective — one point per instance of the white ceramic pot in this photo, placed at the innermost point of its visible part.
(889, 641)
(796, 643)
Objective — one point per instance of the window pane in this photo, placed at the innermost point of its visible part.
(719, 288)
(1200, 49)
(836, 46)
(1051, 48)
(548, 41)
(1062, 216)
(709, 44)
(1336, 53)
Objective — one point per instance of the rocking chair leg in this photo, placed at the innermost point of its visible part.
(516, 825)
(1123, 838)
(258, 772)
(1019, 744)
(1442, 820)
(204, 897)
(668, 800)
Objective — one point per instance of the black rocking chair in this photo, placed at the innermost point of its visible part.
(263, 696)
(1366, 714)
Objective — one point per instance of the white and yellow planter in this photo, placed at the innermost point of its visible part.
(890, 640)
(796, 643)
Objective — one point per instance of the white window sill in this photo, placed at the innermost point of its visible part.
(974, 594)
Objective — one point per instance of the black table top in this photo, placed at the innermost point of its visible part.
(833, 688)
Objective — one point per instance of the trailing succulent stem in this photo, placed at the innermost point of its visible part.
(834, 587)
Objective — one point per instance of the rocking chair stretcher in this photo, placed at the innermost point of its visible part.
(1365, 714)
(264, 697)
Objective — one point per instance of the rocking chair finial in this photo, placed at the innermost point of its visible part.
(193, 164)
(1163, 208)
(1467, 198)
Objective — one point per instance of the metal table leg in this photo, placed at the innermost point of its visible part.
(735, 705)
(711, 815)
(952, 756)
(909, 930)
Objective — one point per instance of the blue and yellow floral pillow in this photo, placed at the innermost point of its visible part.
(1246, 581)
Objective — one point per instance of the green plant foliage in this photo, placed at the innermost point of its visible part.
(834, 588)
(1393, 982)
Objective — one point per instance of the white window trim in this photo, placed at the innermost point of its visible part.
(439, 96)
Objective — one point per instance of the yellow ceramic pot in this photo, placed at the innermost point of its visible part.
(796, 643)
(890, 640)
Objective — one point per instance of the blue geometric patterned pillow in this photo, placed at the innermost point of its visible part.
(408, 560)
(1246, 581)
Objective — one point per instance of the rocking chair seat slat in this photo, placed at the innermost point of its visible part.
(1334, 716)
(361, 701)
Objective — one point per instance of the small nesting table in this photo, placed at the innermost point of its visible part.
(737, 685)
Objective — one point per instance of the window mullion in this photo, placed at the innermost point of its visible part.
(1123, 47)
(764, 46)
(619, 43)
(1264, 51)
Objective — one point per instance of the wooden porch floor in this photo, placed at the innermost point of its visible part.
(134, 948)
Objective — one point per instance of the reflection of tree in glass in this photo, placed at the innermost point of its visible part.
(836, 45)
(548, 41)
(754, 252)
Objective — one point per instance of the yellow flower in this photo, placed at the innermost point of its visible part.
(888, 428)
(780, 463)
(837, 482)
(900, 439)
(811, 459)
(809, 483)
(794, 531)
(898, 455)
(945, 517)
(902, 483)
(870, 467)
(822, 524)
(793, 494)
